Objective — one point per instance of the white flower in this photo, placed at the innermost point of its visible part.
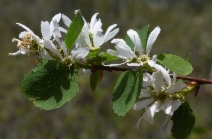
(52, 29)
(136, 57)
(92, 33)
(29, 43)
(158, 96)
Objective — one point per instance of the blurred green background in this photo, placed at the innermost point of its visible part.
(186, 28)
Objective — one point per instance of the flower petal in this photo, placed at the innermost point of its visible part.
(176, 87)
(15, 54)
(134, 64)
(66, 20)
(152, 37)
(49, 45)
(157, 81)
(175, 104)
(123, 49)
(45, 30)
(142, 104)
(93, 21)
(80, 54)
(135, 39)
(145, 93)
(108, 34)
(164, 72)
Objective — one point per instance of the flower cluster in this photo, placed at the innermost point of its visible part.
(158, 91)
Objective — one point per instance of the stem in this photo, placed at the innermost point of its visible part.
(198, 80)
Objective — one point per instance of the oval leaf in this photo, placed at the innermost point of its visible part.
(183, 121)
(95, 79)
(50, 84)
(74, 30)
(126, 91)
(175, 64)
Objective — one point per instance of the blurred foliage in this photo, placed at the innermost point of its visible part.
(186, 27)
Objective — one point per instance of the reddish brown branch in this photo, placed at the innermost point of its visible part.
(198, 80)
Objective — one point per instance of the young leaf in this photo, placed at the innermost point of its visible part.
(183, 121)
(126, 91)
(143, 34)
(175, 63)
(74, 30)
(95, 58)
(95, 79)
(50, 84)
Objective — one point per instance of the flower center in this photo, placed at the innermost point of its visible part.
(162, 96)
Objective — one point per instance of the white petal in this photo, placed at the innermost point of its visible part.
(142, 104)
(15, 54)
(45, 30)
(32, 33)
(123, 49)
(135, 39)
(66, 20)
(57, 17)
(93, 21)
(62, 30)
(56, 30)
(80, 53)
(46, 55)
(54, 23)
(176, 87)
(145, 93)
(63, 46)
(168, 107)
(157, 106)
(164, 72)
(85, 32)
(154, 58)
(169, 127)
(115, 53)
(22, 34)
(112, 65)
(48, 44)
(175, 104)
(26, 28)
(157, 81)
(108, 34)
(152, 37)
(134, 64)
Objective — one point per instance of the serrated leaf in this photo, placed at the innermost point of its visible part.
(183, 121)
(143, 34)
(50, 84)
(126, 91)
(175, 63)
(74, 30)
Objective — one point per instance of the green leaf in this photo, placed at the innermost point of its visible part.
(74, 30)
(50, 84)
(183, 121)
(95, 58)
(175, 63)
(94, 79)
(129, 42)
(126, 91)
(143, 34)
(93, 54)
